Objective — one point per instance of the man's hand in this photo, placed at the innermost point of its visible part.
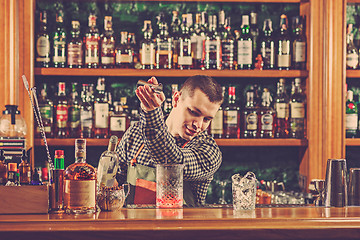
(148, 98)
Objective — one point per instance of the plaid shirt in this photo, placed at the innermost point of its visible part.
(201, 156)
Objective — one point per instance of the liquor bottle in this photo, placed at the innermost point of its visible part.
(124, 53)
(232, 116)
(147, 47)
(3, 168)
(80, 183)
(217, 123)
(227, 42)
(299, 44)
(163, 46)
(135, 50)
(119, 121)
(107, 42)
(92, 44)
(57, 185)
(352, 56)
(266, 116)
(42, 58)
(250, 115)
(198, 38)
(36, 177)
(75, 47)
(108, 165)
(185, 60)
(254, 31)
(46, 107)
(267, 45)
(101, 111)
(212, 46)
(175, 33)
(297, 111)
(59, 42)
(284, 45)
(74, 112)
(12, 178)
(245, 46)
(281, 105)
(61, 130)
(86, 113)
(351, 123)
(24, 169)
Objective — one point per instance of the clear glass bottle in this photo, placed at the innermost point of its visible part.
(352, 56)
(80, 183)
(75, 47)
(254, 31)
(147, 47)
(12, 124)
(42, 53)
(281, 106)
(266, 116)
(24, 169)
(267, 45)
(92, 44)
(227, 43)
(217, 123)
(175, 33)
(108, 165)
(232, 116)
(163, 46)
(297, 111)
(59, 42)
(74, 112)
(107, 43)
(250, 115)
(351, 118)
(284, 45)
(3, 168)
(62, 111)
(212, 46)
(46, 107)
(86, 113)
(119, 121)
(124, 53)
(299, 43)
(101, 111)
(245, 46)
(185, 60)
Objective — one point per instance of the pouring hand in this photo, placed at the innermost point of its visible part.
(148, 98)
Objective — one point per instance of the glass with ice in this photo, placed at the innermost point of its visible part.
(244, 191)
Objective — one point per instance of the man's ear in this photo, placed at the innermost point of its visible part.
(176, 98)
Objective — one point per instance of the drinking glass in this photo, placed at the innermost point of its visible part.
(244, 191)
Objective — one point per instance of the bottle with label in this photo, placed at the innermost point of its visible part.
(267, 45)
(86, 112)
(227, 42)
(245, 46)
(281, 105)
(185, 60)
(352, 56)
(101, 111)
(124, 53)
(297, 111)
(250, 115)
(147, 47)
(46, 107)
(24, 169)
(163, 46)
(217, 123)
(61, 130)
(108, 165)
(197, 39)
(299, 43)
(107, 43)
(92, 44)
(57, 185)
(266, 116)
(351, 123)
(232, 116)
(74, 112)
(212, 46)
(119, 121)
(80, 183)
(3, 168)
(42, 41)
(135, 51)
(254, 31)
(175, 33)
(59, 42)
(75, 47)
(12, 178)
(284, 45)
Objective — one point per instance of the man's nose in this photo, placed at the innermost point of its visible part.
(197, 123)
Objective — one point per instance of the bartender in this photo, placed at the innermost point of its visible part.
(180, 139)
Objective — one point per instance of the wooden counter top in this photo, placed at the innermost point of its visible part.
(189, 223)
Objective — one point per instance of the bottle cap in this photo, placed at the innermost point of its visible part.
(59, 153)
(59, 159)
(12, 167)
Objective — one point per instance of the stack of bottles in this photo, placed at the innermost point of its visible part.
(209, 42)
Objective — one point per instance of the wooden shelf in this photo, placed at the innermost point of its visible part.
(353, 73)
(352, 141)
(115, 72)
(220, 142)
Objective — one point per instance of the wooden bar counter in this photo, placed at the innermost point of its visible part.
(188, 223)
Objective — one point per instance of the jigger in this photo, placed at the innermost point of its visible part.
(319, 185)
(335, 183)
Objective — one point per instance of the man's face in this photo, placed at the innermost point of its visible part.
(191, 115)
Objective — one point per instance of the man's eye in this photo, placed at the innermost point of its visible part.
(193, 112)
(207, 119)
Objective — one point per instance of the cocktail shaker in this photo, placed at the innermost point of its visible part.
(354, 187)
(336, 194)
